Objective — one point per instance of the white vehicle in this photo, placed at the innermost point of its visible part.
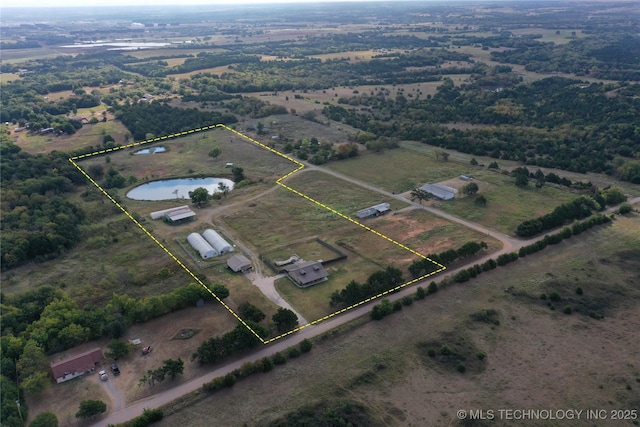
(103, 375)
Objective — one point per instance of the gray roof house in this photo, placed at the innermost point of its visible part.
(307, 273)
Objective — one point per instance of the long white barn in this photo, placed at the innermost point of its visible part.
(217, 241)
(198, 243)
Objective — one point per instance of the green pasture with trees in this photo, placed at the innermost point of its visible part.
(408, 101)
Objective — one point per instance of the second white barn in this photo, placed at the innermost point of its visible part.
(216, 240)
(202, 246)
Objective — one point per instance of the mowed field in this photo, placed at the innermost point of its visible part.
(402, 169)
(536, 357)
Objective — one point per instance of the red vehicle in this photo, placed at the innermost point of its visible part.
(146, 350)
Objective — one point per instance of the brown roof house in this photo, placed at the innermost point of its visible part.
(307, 273)
(76, 366)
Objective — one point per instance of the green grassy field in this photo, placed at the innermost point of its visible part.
(507, 204)
(384, 365)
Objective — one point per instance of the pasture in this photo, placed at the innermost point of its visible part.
(385, 367)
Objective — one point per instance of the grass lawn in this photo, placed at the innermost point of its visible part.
(507, 205)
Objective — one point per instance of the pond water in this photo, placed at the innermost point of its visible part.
(170, 189)
(153, 150)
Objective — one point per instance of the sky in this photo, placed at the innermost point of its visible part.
(102, 3)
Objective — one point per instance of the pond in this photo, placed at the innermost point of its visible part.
(170, 189)
(153, 150)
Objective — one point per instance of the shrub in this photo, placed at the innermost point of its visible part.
(625, 208)
(433, 288)
(421, 293)
(567, 310)
(267, 364)
(481, 355)
(279, 359)
(293, 352)
(445, 350)
(431, 352)
(397, 306)
(229, 380)
(305, 346)
(579, 290)
(462, 276)
(554, 296)
(461, 367)
(408, 300)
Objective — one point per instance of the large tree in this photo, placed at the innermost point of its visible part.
(285, 320)
(199, 196)
(420, 194)
(470, 189)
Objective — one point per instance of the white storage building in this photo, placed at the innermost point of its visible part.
(201, 245)
(216, 240)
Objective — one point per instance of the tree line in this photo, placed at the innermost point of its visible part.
(157, 119)
(377, 283)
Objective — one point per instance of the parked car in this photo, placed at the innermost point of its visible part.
(103, 375)
(115, 369)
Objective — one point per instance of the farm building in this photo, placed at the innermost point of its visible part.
(198, 243)
(307, 273)
(216, 240)
(179, 215)
(239, 263)
(76, 366)
(176, 215)
(438, 191)
(374, 211)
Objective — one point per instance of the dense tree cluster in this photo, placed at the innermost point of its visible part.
(591, 127)
(424, 266)
(579, 208)
(161, 119)
(38, 221)
(241, 338)
(377, 283)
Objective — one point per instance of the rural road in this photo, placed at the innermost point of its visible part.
(510, 244)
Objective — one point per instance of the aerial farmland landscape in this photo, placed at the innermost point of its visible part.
(347, 213)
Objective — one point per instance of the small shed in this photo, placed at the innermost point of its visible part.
(198, 243)
(439, 191)
(76, 366)
(373, 211)
(239, 263)
(217, 241)
(307, 273)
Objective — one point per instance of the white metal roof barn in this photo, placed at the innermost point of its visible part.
(198, 243)
(216, 240)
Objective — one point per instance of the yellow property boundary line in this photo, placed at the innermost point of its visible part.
(280, 183)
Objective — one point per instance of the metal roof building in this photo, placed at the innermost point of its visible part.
(239, 263)
(217, 241)
(198, 243)
(178, 215)
(438, 191)
(374, 211)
